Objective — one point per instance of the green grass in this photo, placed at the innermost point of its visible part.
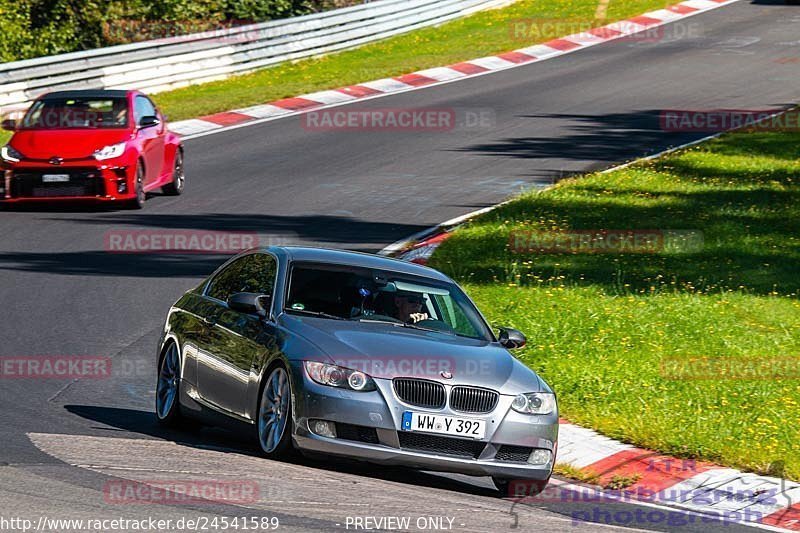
(600, 325)
(481, 34)
(579, 474)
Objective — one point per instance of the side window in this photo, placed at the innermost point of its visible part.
(453, 316)
(143, 107)
(251, 273)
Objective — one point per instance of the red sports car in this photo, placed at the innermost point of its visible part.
(100, 145)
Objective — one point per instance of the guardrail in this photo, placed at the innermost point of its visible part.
(174, 62)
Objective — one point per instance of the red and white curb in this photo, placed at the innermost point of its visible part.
(734, 496)
(418, 248)
(439, 75)
(421, 251)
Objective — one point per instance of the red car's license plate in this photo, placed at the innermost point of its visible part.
(55, 178)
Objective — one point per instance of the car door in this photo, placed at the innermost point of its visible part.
(151, 138)
(234, 340)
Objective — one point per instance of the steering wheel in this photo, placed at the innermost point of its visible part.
(385, 318)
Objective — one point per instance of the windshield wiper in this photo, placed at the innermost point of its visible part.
(321, 314)
(402, 325)
(414, 326)
(377, 320)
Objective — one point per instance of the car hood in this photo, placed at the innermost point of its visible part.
(386, 351)
(66, 143)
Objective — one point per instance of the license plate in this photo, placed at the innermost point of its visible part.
(444, 425)
(55, 178)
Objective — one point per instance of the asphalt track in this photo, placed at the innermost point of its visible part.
(63, 294)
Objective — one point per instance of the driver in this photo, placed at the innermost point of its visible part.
(408, 307)
(120, 112)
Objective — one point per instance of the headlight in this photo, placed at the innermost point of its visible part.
(535, 403)
(10, 155)
(109, 152)
(337, 376)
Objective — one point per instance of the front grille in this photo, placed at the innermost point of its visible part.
(356, 433)
(513, 454)
(420, 392)
(441, 445)
(82, 182)
(473, 400)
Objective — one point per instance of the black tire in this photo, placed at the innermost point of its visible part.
(175, 188)
(284, 449)
(169, 369)
(138, 188)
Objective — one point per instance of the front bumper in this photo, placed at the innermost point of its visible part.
(388, 455)
(86, 180)
(373, 421)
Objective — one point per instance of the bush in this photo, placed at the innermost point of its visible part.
(25, 33)
(32, 28)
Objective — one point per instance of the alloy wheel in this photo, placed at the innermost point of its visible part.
(273, 412)
(168, 378)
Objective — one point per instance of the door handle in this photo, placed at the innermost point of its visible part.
(210, 322)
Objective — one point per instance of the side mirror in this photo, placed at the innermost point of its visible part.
(9, 124)
(250, 303)
(148, 121)
(511, 338)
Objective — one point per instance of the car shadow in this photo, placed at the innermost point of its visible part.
(74, 206)
(325, 230)
(603, 139)
(143, 424)
(316, 228)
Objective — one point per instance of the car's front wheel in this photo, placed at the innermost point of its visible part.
(175, 188)
(168, 410)
(274, 424)
(138, 188)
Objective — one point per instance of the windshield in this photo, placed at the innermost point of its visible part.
(349, 293)
(60, 113)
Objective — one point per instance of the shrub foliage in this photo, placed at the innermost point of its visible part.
(32, 28)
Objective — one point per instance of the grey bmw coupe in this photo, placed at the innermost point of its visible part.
(356, 355)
